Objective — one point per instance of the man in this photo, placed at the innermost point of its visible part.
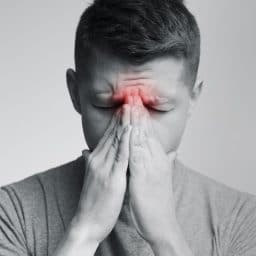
(135, 85)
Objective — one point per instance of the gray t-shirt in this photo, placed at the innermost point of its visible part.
(35, 212)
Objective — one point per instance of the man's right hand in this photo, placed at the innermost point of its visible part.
(105, 182)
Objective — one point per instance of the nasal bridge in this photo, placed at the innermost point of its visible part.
(146, 94)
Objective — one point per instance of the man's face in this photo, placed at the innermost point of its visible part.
(163, 77)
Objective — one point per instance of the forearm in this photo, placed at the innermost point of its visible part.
(76, 242)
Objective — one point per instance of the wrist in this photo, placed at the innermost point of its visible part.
(76, 242)
(79, 236)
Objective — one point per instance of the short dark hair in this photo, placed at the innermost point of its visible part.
(138, 31)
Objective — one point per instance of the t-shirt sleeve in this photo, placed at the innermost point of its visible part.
(12, 232)
(239, 229)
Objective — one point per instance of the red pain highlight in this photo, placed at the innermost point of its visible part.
(146, 95)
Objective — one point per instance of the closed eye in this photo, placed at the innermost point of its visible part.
(159, 110)
(108, 108)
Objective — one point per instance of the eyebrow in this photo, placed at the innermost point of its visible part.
(131, 79)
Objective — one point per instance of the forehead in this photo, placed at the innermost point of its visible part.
(164, 74)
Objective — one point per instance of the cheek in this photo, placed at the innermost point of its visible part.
(94, 125)
(169, 128)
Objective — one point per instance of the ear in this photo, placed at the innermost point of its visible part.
(73, 89)
(194, 96)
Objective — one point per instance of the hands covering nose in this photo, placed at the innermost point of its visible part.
(130, 140)
(151, 201)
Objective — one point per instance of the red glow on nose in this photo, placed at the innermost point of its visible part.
(146, 95)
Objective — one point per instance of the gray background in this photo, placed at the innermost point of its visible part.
(39, 128)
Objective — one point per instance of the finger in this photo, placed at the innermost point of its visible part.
(122, 155)
(139, 154)
(143, 130)
(137, 134)
(123, 122)
(149, 129)
(86, 153)
(128, 99)
(135, 111)
(137, 99)
(137, 138)
(112, 137)
(138, 122)
(142, 118)
(125, 115)
(111, 145)
(135, 121)
(145, 121)
(133, 93)
(109, 132)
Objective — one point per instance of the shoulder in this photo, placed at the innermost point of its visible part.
(224, 197)
(31, 186)
(28, 209)
(29, 194)
(232, 212)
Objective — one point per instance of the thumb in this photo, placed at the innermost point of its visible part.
(86, 153)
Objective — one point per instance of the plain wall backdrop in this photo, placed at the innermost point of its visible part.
(40, 129)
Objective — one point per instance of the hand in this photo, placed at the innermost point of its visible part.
(105, 179)
(151, 199)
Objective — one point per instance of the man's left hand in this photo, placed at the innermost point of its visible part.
(151, 200)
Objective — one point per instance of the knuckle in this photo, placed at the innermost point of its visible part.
(115, 142)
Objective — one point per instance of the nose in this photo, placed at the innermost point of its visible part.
(145, 95)
(131, 92)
